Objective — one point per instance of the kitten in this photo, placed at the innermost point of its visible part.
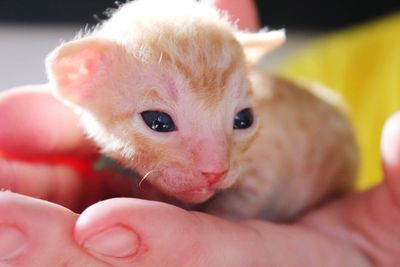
(170, 89)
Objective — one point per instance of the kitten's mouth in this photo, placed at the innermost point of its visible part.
(196, 195)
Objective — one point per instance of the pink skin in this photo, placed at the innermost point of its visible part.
(358, 230)
(243, 10)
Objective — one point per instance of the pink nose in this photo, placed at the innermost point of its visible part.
(214, 177)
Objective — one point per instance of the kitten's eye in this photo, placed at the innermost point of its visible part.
(243, 119)
(158, 121)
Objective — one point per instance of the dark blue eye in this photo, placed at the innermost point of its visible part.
(243, 119)
(158, 121)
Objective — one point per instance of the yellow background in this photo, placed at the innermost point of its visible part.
(363, 65)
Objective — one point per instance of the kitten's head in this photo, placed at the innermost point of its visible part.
(165, 94)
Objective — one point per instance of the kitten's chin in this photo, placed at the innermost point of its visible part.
(195, 196)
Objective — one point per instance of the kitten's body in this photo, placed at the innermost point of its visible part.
(304, 152)
(188, 62)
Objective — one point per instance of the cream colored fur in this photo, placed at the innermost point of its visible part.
(187, 60)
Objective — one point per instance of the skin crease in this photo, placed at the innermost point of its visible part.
(309, 242)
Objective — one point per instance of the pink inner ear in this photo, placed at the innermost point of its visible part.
(76, 72)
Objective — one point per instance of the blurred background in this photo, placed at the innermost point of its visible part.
(29, 29)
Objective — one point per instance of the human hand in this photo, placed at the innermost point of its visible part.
(243, 12)
(357, 230)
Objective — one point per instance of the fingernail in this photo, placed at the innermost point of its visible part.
(118, 241)
(12, 242)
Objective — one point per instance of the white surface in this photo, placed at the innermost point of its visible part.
(23, 49)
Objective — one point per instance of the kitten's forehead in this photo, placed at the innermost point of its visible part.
(208, 62)
(194, 40)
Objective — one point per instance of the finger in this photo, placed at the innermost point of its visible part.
(242, 12)
(33, 123)
(132, 232)
(390, 150)
(36, 233)
(56, 183)
(61, 184)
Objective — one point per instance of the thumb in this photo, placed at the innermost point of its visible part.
(133, 232)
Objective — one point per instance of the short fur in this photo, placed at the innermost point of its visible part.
(185, 58)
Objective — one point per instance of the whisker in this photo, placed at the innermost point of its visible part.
(161, 58)
(145, 177)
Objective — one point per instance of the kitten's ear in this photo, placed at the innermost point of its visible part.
(76, 67)
(255, 45)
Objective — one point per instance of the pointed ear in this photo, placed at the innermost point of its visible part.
(255, 45)
(76, 67)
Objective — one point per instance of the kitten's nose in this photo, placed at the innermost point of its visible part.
(214, 177)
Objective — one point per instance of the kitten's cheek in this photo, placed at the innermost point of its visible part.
(229, 180)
